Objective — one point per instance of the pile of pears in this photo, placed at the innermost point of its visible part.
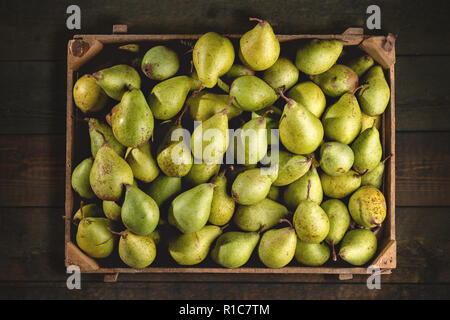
(305, 189)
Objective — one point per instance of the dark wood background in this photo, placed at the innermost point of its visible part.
(33, 41)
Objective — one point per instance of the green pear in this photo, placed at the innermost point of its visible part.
(253, 185)
(339, 219)
(142, 163)
(358, 247)
(312, 254)
(222, 205)
(368, 121)
(168, 97)
(272, 117)
(94, 237)
(174, 156)
(336, 158)
(374, 177)
(300, 131)
(109, 173)
(209, 140)
(87, 211)
(282, 74)
(189, 211)
(136, 251)
(97, 140)
(259, 48)
(367, 206)
(317, 56)
(192, 248)
(213, 56)
(277, 247)
(340, 186)
(201, 173)
(112, 210)
(367, 150)
(336, 81)
(156, 236)
(291, 167)
(298, 190)
(204, 105)
(310, 220)
(164, 188)
(238, 70)
(375, 94)
(88, 95)
(160, 63)
(252, 93)
(250, 142)
(233, 249)
(310, 96)
(132, 120)
(274, 193)
(117, 80)
(140, 213)
(80, 179)
(342, 120)
(361, 64)
(261, 216)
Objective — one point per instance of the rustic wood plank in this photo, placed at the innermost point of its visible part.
(423, 172)
(32, 170)
(221, 291)
(420, 27)
(32, 249)
(422, 98)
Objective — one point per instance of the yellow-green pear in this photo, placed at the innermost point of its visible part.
(253, 185)
(112, 210)
(233, 249)
(367, 150)
(336, 158)
(160, 63)
(164, 188)
(222, 205)
(80, 179)
(259, 48)
(358, 247)
(252, 93)
(213, 56)
(192, 248)
(88, 95)
(291, 167)
(298, 190)
(132, 120)
(368, 121)
(282, 74)
(339, 219)
(201, 173)
(300, 131)
(367, 206)
(136, 251)
(375, 94)
(317, 56)
(310, 96)
(340, 186)
(312, 254)
(94, 237)
(336, 81)
(86, 211)
(117, 80)
(361, 64)
(97, 140)
(204, 105)
(142, 163)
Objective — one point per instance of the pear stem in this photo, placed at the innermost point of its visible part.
(333, 250)
(117, 233)
(192, 64)
(288, 100)
(265, 114)
(178, 121)
(374, 123)
(198, 91)
(260, 21)
(103, 136)
(362, 173)
(230, 101)
(81, 209)
(287, 221)
(357, 88)
(309, 189)
(224, 226)
(261, 228)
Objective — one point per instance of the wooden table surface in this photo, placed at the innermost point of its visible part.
(32, 144)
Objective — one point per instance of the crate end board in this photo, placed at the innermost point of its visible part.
(382, 48)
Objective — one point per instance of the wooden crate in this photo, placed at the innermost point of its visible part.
(382, 48)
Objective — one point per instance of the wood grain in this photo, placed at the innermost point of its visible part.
(418, 20)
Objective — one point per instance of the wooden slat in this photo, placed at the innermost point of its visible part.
(423, 172)
(25, 37)
(32, 249)
(33, 170)
(221, 291)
